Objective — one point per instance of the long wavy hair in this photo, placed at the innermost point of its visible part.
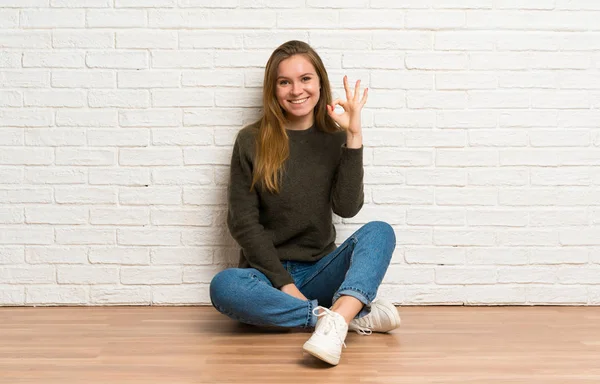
(272, 143)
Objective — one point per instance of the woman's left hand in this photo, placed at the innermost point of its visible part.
(350, 119)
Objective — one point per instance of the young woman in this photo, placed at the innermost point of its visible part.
(289, 171)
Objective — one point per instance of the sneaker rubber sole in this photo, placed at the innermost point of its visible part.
(321, 354)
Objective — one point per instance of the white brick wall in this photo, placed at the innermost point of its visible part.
(117, 119)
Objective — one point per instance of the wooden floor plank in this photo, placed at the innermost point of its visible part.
(198, 345)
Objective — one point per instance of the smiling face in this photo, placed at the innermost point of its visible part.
(297, 90)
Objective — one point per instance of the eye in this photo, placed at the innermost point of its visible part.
(306, 78)
(283, 82)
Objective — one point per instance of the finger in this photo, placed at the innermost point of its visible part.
(347, 88)
(332, 114)
(356, 90)
(363, 101)
(340, 102)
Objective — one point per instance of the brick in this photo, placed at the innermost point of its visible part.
(86, 118)
(103, 295)
(467, 119)
(11, 137)
(182, 256)
(53, 60)
(26, 195)
(119, 176)
(466, 196)
(294, 19)
(25, 39)
(86, 236)
(83, 39)
(560, 138)
(56, 294)
(204, 196)
(467, 275)
(42, 274)
(435, 217)
(182, 98)
(87, 274)
(11, 175)
(11, 99)
(436, 61)
(55, 137)
(403, 195)
(151, 275)
(81, 3)
(558, 218)
(528, 80)
(560, 256)
(55, 98)
(456, 237)
(501, 218)
(53, 18)
(149, 79)
(373, 60)
(488, 294)
(466, 158)
(497, 256)
(10, 215)
(150, 156)
(115, 216)
(556, 176)
(196, 136)
(556, 294)
(120, 18)
(83, 79)
(465, 81)
(150, 196)
(117, 60)
(436, 99)
(85, 156)
(182, 176)
(12, 295)
(210, 39)
(147, 39)
(496, 176)
(121, 256)
(56, 255)
(145, 118)
(56, 215)
(85, 195)
(206, 156)
(497, 138)
(181, 294)
(55, 175)
(130, 137)
(119, 99)
(26, 156)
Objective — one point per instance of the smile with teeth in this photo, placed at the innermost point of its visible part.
(299, 101)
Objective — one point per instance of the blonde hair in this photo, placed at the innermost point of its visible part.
(272, 143)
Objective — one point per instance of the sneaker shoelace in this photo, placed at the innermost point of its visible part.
(329, 323)
(363, 326)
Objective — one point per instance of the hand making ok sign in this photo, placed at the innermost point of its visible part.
(350, 119)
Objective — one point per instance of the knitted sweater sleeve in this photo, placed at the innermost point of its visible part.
(347, 195)
(243, 219)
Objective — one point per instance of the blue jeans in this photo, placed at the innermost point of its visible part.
(355, 268)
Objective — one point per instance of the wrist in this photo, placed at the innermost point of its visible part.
(354, 141)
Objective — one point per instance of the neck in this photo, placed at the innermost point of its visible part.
(300, 124)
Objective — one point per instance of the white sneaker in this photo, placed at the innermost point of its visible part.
(328, 338)
(383, 317)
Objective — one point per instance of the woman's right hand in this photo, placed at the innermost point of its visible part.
(292, 290)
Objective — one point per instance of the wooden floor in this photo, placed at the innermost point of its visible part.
(197, 345)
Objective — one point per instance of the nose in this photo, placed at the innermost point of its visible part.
(296, 88)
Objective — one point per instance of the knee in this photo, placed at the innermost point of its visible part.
(222, 286)
(383, 230)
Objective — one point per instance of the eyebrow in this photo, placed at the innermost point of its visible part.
(304, 74)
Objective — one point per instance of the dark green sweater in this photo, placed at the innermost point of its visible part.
(321, 175)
